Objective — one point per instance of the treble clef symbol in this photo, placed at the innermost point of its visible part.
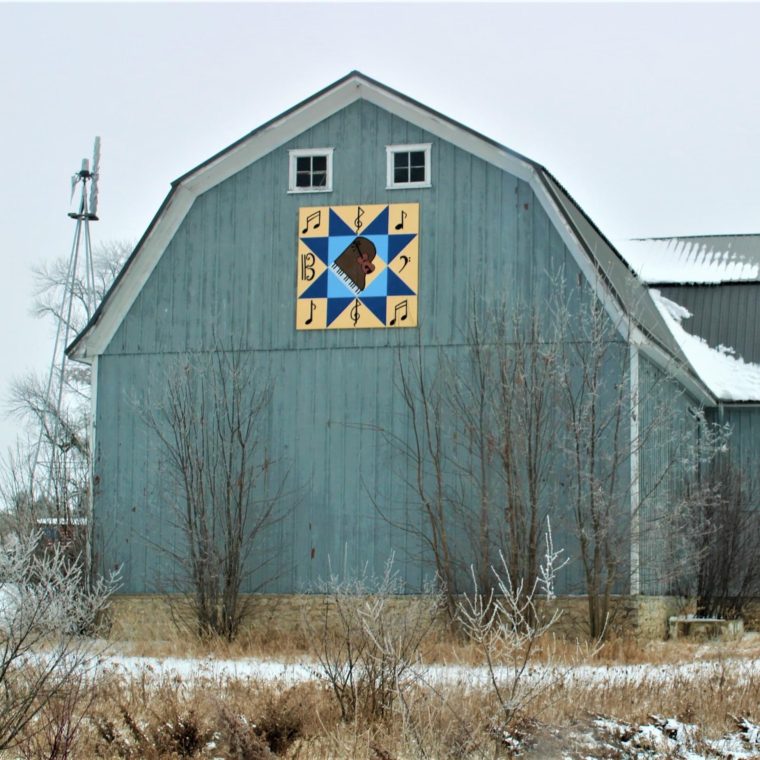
(358, 221)
(355, 311)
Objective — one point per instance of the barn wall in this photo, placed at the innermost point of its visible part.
(228, 277)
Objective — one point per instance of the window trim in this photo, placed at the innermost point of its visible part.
(390, 152)
(297, 153)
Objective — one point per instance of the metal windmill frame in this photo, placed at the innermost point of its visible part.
(51, 475)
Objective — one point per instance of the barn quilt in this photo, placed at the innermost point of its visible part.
(358, 266)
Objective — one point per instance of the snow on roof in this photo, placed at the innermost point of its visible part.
(705, 259)
(729, 377)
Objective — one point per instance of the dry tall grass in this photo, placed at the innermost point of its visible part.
(151, 716)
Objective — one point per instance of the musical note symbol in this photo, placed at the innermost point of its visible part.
(406, 260)
(310, 218)
(400, 225)
(399, 306)
(355, 311)
(358, 221)
(312, 307)
(307, 266)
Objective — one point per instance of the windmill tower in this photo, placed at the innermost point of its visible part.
(60, 459)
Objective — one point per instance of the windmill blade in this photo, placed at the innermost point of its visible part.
(94, 178)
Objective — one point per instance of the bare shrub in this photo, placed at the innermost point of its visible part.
(721, 526)
(507, 624)
(45, 660)
(368, 640)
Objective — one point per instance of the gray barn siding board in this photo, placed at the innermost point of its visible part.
(525, 274)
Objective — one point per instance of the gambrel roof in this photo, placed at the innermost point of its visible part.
(624, 295)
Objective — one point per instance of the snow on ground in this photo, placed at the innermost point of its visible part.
(729, 377)
(598, 737)
(252, 668)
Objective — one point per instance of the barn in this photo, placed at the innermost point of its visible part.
(380, 270)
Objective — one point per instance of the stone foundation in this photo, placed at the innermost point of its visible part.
(150, 617)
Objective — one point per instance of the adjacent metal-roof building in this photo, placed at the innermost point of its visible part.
(715, 277)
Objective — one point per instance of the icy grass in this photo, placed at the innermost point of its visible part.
(687, 710)
(690, 701)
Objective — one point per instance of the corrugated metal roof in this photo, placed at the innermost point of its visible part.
(724, 315)
(699, 259)
(729, 375)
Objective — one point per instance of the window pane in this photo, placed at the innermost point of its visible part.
(319, 163)
(319, 179)
(400, 160)
(303, 164)
(400, 175)
(303, 179)
(417, 158)
(417, 174)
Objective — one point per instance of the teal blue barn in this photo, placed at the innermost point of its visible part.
(331, 248)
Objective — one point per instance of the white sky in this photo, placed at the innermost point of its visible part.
(649, 113)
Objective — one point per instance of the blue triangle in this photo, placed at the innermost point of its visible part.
(379, 225)
(396, 244)
(376, 306)
(338, 226)
(336, 288)
(335, 307)
(397, 287)
(318, 289)
(337, 245)
(378, 286)
(318, 246)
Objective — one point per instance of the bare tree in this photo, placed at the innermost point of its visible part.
(209, 427)
(482, 445)
(427, 454)
(506, 401)
(56, 468)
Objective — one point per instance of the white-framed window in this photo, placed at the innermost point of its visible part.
(310, 170)
(408, 165)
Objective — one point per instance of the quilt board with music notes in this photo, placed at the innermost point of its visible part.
(357, 266)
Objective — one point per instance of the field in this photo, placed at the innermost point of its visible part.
(264, 699)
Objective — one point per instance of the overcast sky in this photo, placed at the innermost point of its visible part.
(649, 114)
